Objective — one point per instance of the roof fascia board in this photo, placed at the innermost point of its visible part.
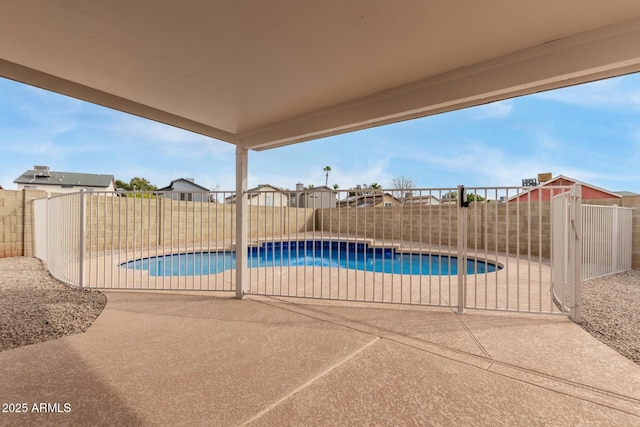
(601, 53)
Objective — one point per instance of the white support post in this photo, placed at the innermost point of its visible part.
(575, 251)
(241, 221)
(81, 243)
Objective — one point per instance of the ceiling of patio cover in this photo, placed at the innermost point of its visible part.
(262, 74)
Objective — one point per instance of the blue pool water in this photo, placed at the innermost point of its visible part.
(356, 256)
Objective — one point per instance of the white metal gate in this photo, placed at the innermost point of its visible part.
(566, 216)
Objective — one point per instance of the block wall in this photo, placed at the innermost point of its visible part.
(522, 228)
(111, 221)
(120, 223)
(16, 222)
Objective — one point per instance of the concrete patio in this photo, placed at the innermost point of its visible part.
(155, 358)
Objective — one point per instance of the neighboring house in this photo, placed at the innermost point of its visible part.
(41, 178)
(185, 189)
(369, 200)
(626, 193)
(428, 200)
(450, 198)
(589, 192)
(314, 197)
(263, 195)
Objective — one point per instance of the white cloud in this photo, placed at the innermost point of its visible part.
(613, 92)
(172, 141)
(494, 110)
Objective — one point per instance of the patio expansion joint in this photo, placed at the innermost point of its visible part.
(309, 382)
(378, 331)
(585, 392)
(473, 337)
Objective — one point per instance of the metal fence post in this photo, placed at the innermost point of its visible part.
(81, 243)
(575, 251)
(614, 240)
(462, 251)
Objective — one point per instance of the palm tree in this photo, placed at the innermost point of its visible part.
(336, 186)
(326, 169)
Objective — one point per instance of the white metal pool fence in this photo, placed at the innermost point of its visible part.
(607, 239)
(352, 240)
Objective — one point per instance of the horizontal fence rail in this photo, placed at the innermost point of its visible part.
(480, 248)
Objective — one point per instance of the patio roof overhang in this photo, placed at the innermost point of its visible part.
(265, 74)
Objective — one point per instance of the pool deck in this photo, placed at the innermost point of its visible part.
(522, 284)
(202, 358)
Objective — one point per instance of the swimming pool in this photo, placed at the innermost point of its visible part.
(319, 253)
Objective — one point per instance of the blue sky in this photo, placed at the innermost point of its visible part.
(589, 132)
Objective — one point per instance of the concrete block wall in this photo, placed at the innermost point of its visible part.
(523, 228)
(17, 222)
(119, 223)
(431, 224)
(155, 222)
(516, 228)
(634, 202)
(520, 229)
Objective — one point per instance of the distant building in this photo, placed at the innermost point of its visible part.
(368, 200)
(263, 195)
(626, 193)
(185, 189)
(589, 192)
(314, 197)
(428, 200)
(41, 178)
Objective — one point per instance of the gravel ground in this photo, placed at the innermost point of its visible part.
(611, 311)
(35, 307)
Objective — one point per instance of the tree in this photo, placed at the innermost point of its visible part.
(141, 184)
(451, 195)
(401, 186)
(359, 190)
(336, 186)
(136, 184)
(122, 185)
(377, 188)
(472, 197)
(327, 169)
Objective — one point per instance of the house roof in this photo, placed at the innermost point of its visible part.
(320, 188)
(280, 72)
(420, 199)
(190, 182)
(368, 199)
(626, 193)
(554, 181)
(253, 192)
(66, 178)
